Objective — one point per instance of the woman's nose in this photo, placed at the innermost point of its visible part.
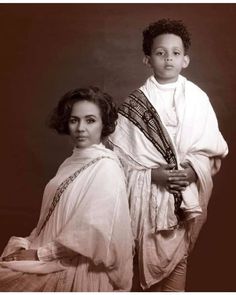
(81, 126)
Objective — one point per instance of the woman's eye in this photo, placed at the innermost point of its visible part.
(72, 121)
(90, 121)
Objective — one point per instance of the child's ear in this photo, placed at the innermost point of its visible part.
(146, 60)
(186, 61)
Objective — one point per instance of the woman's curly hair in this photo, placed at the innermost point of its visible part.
(165, 26)
(60, 116)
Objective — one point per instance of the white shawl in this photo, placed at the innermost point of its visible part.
(199, 143)
(91, 219)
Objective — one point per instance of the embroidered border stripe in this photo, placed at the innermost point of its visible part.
(137, 109)
(63, 186)
(142, 114)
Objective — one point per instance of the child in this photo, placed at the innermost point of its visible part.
(168, 140)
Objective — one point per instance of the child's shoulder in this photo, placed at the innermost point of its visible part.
(193, 86)
(195, 90)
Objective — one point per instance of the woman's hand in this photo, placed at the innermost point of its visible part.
(22, 254)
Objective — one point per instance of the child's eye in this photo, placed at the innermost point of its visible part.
(160, 53)
(176, 53)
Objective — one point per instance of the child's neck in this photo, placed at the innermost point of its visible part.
(164, 82)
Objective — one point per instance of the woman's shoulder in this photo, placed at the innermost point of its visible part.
(111, 160)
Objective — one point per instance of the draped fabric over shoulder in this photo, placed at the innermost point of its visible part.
(150, 135)
(83, 237)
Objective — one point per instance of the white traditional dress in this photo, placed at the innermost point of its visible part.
(167, 124)
(83, 237)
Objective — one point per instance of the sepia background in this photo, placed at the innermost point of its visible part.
(48, 49)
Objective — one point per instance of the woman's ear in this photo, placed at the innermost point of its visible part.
(186, 61)
(146, 61)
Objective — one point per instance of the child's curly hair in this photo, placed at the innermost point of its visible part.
(165, 26)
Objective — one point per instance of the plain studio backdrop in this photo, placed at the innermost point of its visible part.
(48, 49)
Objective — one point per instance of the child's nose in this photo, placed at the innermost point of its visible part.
(168, 57)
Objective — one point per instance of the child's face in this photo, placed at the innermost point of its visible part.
(167, 58)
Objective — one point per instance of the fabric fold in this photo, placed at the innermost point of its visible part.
(88, 235)
(195, 139)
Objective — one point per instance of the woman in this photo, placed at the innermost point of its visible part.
(83, 239)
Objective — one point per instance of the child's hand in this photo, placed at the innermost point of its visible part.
(177, 181)
(174, 181)
(190, 172)
(21, 255)
(160, 175)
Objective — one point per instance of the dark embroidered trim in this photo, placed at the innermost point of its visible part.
(140, 112)
(137, 109)
(63, 186)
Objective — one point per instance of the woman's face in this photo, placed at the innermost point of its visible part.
(85, 124)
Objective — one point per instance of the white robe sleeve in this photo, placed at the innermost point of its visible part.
(16, 243)
(100, 227)
(53, 251)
